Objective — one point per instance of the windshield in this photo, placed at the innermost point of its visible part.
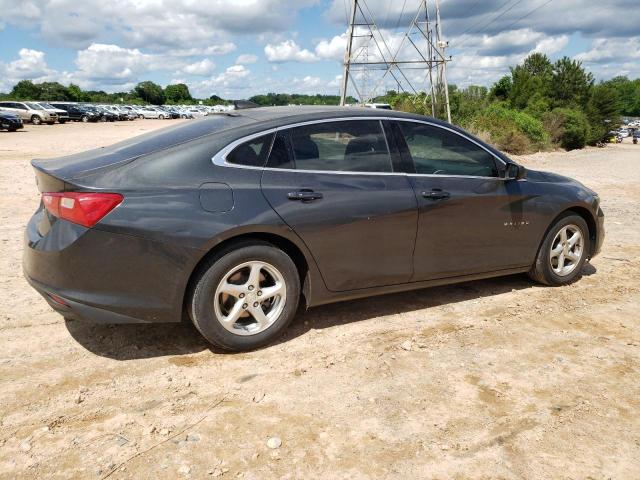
(34, 106)
(47, 105)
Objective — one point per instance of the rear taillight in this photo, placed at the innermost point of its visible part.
(83, 208)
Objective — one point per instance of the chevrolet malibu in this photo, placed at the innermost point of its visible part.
(234, 220)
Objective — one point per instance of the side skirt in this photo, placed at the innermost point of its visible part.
(327, 297)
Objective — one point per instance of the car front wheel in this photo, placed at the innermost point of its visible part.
(563, 252)
(36, 120)
(244, 298)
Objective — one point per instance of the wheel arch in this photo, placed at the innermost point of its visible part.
(299, 258)
(586, 215)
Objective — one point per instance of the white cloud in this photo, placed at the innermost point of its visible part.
(153, 24)
(246, 59)
(288, 51)
(332, 49)
(201, 68)
(216, 49)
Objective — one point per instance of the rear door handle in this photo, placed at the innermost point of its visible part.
(436, 194)
(304, 195)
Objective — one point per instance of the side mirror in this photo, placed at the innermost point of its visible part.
(513, 171)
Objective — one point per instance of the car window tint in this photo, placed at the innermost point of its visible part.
(279, 156)
(437, 151)
(252, 153)
(349, 146)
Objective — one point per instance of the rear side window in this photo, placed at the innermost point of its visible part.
(348, 146)
(252, 153)
(436, 151)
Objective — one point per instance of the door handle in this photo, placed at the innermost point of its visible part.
(304, 195)
(436, 194)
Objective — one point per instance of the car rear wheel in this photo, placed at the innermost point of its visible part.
(36, 120)
(244, 298)
(84, 119)
(563, 252)
(161, 117)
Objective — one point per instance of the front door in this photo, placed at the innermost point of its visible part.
(333, 183)
(470, 220)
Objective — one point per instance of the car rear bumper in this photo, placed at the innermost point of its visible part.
(106, 277)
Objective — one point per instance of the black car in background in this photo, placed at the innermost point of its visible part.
(10, 121)
(105, 115)
(237, 217)
(78, 113)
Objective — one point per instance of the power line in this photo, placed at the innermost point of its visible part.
(484, 27)
(479, 21)
(527, 14)
(404, 4)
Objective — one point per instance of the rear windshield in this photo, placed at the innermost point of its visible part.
(79, 164)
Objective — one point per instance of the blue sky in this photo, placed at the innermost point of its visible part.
(239, 48)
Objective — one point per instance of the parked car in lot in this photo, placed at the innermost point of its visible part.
(236, 218)
(150, 112)
(29, 112)
(10, 121)
(105, 115)
(63, 116)
(77, 112)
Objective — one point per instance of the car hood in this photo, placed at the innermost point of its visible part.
(539, 176)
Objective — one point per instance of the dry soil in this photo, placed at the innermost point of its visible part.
(492, 379)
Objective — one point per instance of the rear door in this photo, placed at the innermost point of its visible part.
(470, 220)
(334, 184)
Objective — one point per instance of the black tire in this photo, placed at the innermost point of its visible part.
(202, 295)
(542, 270)
(36, 120)
(161, 117)
(84, 119)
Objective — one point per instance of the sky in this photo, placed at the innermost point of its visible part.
(238, 48)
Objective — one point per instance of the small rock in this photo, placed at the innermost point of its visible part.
(164, 432)
(149, 430)
(184, 470)
(258, 397)
(406, 345)
(274, 442)
(84, 389)
(216, 472)
(79, 399)
(193, 437)
(25, 446)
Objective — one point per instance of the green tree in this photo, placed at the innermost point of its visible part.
(25, 90)
(571, 84)
(54, 91)
(628, 94)
(177, 93)
(603, 111)
(75, 93)
(150, 92)
(502, 88)
(531, 79)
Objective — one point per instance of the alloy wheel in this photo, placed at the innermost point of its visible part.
(250, 298)
(567, 250)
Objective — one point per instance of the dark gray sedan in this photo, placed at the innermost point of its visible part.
(233, 219)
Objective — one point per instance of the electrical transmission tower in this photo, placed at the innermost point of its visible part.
(414, 61)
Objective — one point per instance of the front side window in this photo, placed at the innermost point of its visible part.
(252, 153)
(436, 151)
(347, 146)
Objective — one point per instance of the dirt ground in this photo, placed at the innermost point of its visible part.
(491, 379)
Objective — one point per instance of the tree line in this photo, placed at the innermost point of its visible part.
(143, 93)
(537, 106)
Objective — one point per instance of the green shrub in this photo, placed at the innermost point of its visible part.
(568, 127)
(510, 130)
